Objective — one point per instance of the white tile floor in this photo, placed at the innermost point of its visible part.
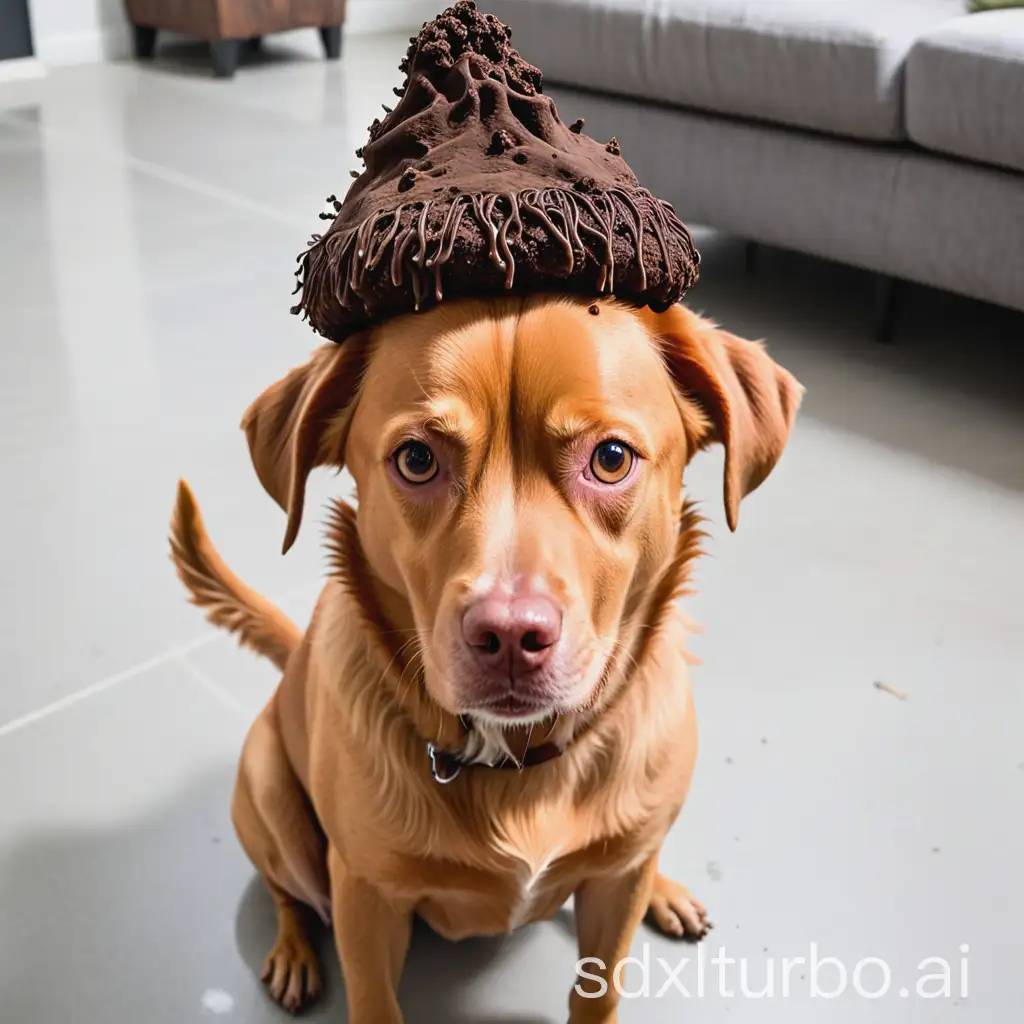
(149, 218)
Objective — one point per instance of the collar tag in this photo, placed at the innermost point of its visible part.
(444, 768)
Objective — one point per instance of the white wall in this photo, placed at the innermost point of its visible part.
(78, 31)
(82, 31)
(385, 15)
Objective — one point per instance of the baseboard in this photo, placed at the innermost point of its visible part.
(111, 42)
(365, 16)
(21, 69)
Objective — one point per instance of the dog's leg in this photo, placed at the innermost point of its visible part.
(291, 972)
(675, 911)
(608, 913)
(276, 827)
(373, 938)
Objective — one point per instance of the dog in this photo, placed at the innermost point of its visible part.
(490, 710)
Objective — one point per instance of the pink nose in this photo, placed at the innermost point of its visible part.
(516, 636)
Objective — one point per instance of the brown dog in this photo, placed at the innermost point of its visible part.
(504, 595)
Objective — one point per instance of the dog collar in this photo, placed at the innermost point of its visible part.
(446, 767)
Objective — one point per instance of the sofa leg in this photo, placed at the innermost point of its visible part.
(331, 36)
(886, 302)
(225, 53)
(254, 44)
(145, 41)
(751, 254)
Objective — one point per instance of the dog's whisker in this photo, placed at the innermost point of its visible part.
(394, 657)
(621, 648)
(417, 653)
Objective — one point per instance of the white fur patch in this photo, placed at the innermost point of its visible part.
(522, 909)
(487, 742)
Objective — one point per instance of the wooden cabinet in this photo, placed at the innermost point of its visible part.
(229, 24)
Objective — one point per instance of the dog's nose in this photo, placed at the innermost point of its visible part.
(517, 636)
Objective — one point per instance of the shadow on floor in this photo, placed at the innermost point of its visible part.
(436, 973)
(145, 919)
(191, 58)
(949, 389)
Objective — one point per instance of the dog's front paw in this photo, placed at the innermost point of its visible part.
(291, 973)
(676, 912)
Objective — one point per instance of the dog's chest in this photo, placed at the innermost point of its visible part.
(533, 888)
(525, 878)
(514, 890)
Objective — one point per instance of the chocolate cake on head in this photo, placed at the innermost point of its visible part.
(475, 187)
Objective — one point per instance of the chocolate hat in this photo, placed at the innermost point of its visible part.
(475, 187)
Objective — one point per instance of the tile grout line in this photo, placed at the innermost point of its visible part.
(164, 174)
(210, 684)
(184, 181)
(178, 652)
(102, 685)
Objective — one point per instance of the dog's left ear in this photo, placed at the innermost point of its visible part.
(744, 399)
(302, 422)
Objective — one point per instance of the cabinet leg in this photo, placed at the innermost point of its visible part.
(331, 36)
(225, 53)
(145, 41)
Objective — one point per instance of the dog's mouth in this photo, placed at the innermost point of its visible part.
(530, 701)
(513, 708)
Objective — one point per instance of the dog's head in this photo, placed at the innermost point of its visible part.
(519, 468)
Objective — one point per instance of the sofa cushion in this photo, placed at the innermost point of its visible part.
(965, 88)
(830, 65)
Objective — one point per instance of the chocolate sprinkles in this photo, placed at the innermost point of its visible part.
(475, 187)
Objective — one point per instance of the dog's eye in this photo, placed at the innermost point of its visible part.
(611, 461)
(416, 462)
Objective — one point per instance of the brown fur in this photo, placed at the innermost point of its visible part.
(335, 803)
(260, 626)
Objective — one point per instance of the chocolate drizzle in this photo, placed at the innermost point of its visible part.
(474, 186)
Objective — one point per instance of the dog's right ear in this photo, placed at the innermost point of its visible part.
(302, 422)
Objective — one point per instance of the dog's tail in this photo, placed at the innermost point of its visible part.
(259, 625)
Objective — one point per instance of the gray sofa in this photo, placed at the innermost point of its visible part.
(888, 134)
